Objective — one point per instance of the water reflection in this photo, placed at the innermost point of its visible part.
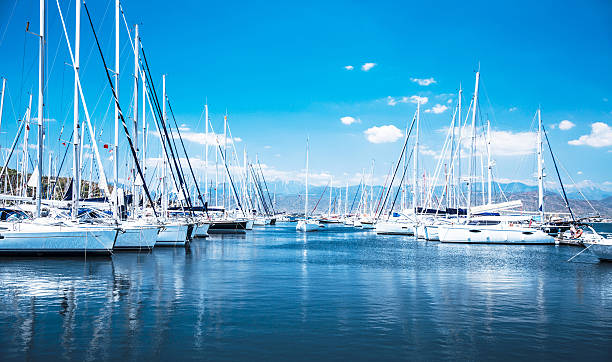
(350, 295)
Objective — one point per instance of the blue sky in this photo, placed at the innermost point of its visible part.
(279, 69)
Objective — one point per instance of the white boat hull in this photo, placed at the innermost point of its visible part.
(431, 233)
(307, 226)
(173, 235)
(51, 239)
(136, 237)
(201, 230)
(602, 250)
(394, 228)
(481, 234)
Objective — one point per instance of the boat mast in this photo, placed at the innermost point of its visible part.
(306, 197)
(206, 151)
(76, 168)
(540, 170)
(225, 204)
(165, 156)
(41, 64)
(458, 190)
(144, 137)
(489, 162)
(415, 170)
(331, 188)
(116, 148)
(473, 144)
(24, 160)
(2, 98)
(371, 190)
(135, 196)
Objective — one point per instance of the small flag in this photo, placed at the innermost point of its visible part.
(105, 145)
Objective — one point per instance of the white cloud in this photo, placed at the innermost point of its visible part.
(565, 125)
(424, 150)
(512, 109)
(383, 134)
(349, 120)
(424, 82)
(367, 66)
(449, 101)
(503, 143)
(412, 99)
(437, 109)
(417, 99)
(200, 137)
(600, 136)
(579, 172)
(267, 147)
(349, 67)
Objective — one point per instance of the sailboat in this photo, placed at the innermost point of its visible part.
(485, 224)
(306, 224)
(44, 235)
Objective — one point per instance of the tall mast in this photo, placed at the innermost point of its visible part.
(346, 202)
(206, 152)
(415, 170)
(473, 144)
(371, 190)
(76, 168)
(116, 147)
(135, 197)
(458, 191)
(2, 99)
(24, 160)
(306, 197)
(144, 136)
(41, 71)
(331, 187)
(540, 170)
(489, 162)
(164, 166)
(225, 205)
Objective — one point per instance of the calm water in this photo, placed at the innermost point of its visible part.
(275, 294)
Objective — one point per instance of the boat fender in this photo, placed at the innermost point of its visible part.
(577, 233)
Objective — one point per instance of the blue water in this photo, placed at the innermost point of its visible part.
(278, 295)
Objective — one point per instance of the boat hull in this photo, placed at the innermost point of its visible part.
(307, 226)
(174, 235)
(394, 228)
(201, 230)
(431, 233)
(229, 227)
(603, 251)
(46, 240)
(136, 237)
(492, 235)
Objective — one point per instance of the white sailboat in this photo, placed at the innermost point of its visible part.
(307, 224)
(495, 229)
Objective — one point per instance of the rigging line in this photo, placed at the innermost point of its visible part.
(258, 190)
(266, 185)
(186, 155)
(158, 117)
(120, 113)
(184, 185)
(151, 85)
(558, 175)
(59, 171)
(320, 197)
(399, 188)
(355, 197)
(397, 166)
(577, 187)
